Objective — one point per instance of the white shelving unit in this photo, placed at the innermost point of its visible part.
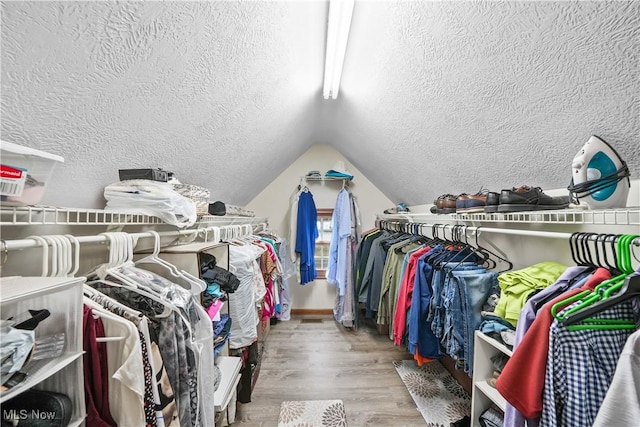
(483, 394)
(226, 393)
(63, 298)
(230, 367)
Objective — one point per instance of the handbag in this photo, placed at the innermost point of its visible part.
(36, 408)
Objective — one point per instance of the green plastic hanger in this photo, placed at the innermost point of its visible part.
(603, 291)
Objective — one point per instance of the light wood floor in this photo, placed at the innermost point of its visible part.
(307, 359)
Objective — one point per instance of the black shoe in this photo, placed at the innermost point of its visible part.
(527, 198)
(493, 200)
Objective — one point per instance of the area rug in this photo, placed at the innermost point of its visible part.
(438, 396)
(312, 413)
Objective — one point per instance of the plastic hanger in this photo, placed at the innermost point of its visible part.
(196, 285)
(98, 311)
(120, 249)
(75, 264)
(45, 254)
(573, 245)
(496, 257)
(605, 295)
(473, 250)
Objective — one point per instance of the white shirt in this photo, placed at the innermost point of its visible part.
(621, 405)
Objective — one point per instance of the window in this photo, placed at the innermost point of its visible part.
(321, 256)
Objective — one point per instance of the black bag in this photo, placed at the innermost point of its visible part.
(35, 408)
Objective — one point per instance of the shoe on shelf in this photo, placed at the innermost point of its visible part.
(472, 203)
(445, 204)
(399, 208)
(493, 200)
(527, 198)
(461, 202)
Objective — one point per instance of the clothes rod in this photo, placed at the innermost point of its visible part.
(12, 245)
(512, 231)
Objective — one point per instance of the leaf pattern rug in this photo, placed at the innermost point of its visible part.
(312, 413)
(439, 397)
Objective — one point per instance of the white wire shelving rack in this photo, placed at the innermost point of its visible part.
(627, 216)
(474, 223)
(304, 180)
(36, 215)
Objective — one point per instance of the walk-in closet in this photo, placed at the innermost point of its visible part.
(321, 213)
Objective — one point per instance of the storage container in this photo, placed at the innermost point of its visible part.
(24, 173)
(199, 195)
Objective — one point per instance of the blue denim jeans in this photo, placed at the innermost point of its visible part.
(455, 313)
(473, 289)
(437, 312)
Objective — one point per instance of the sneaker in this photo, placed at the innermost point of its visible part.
(527, 198)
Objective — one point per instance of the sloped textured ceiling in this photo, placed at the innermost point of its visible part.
(436, 97)
(446, 97)
(218, 92)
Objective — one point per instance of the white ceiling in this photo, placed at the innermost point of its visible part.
(436, 97)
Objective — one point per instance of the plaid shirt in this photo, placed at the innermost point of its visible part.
(580, 367)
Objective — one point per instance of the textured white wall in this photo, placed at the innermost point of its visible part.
(273, 202)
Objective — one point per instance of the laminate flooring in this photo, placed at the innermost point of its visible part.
(315, 358)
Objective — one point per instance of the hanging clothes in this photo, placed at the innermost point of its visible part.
(342, 248)
(96, 380)
(620, 405)
(572, 275)
(181, 336)
(341, 220)
(306, 235)
(244, 303)
(531, 354)
(573, 355)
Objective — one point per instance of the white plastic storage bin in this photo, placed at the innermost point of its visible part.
(62, 296)
(24, 173)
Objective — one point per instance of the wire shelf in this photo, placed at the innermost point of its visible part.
(627, 216)
(231, 220)
(325, 178)
(34, 215)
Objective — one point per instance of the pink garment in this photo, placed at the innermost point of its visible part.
(214, 309)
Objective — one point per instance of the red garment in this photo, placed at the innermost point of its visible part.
(522, 379)
(96, 380)
(405, 294)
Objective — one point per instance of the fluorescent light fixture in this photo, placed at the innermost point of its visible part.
(338, 26)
